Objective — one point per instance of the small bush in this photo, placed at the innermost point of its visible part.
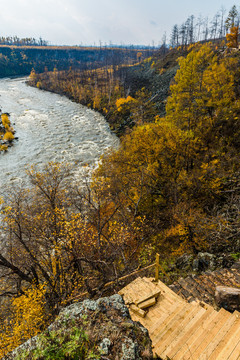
(5, 120)
(67, 343)
(8, 136)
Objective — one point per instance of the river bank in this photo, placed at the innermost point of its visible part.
(50, 127)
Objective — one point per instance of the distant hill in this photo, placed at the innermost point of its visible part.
(19, 60)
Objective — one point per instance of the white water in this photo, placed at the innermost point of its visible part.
(50, 127)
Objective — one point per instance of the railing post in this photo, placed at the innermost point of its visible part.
(157, 268)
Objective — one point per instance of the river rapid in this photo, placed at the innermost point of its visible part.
(50, 127)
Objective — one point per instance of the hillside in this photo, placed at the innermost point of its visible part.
(20, 60)
(172, 187)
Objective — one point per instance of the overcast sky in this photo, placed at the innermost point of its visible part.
(75, 22)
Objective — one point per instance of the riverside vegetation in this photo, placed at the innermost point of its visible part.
(6, 132)
(171, 187)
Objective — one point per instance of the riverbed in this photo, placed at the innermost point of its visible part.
(50, 127)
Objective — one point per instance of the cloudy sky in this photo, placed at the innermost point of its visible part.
(75, 22)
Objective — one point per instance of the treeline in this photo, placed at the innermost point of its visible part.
(20, 60)
(204, 29)
(15, 40)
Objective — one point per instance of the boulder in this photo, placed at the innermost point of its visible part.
(228, 298)
(107, 326)
(184, 262)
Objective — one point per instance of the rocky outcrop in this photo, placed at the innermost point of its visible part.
(108, 329)
(203, 261)
(228, 298)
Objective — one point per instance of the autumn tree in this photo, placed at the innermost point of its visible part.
(232, 37)
(232, 18)
(59, 235)
(178, 165)
(26, 317)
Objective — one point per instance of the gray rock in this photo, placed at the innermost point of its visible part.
(195, 265)
(104, 346)
(228, 298)
(129, 350)
(184, 261)
(107, 322)
(206, 261)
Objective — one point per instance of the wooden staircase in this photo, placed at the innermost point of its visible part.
(203, 286)
(180, 330)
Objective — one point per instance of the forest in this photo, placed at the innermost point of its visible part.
(172, 187)
(20, 60)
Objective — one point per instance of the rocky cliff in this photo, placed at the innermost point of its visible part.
(101, 329)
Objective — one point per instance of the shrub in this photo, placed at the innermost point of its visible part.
(8, 136)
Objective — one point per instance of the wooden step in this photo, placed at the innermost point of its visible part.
(158, 313)
(139, 288)
(230, 345)
(193, 326)
(235, 355)
(235, 325)
(147, 297)
(186, 331)
(165, 346)
(196, 332)
(166, 290)
(221, 335)
(140, 312)
(160, 325)
(161, 307)
(191, 286)
(147, 303)
(209, 334)
(164, 334)
(180, 335)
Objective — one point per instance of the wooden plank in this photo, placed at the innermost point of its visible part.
(189, 330)
(173, 329)
(235, 355)
(227, 337)
(144, 298)
(146, 304)
(181, 346)
(159, 326)
(229, 346)
(165, 288)
(193, 341)
(210, 333)
(158, 313)
(221, 335)
(179, 332)
(157, 268)
(170, 326)
(138, 311)
(139, 288)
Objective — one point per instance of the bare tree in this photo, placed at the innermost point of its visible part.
(175, 36)
(222, 29)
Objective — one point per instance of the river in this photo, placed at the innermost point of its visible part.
(50, 127)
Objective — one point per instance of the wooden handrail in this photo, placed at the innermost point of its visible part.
(112, 282)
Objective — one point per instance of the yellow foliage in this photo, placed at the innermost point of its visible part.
(5, 120)
(8, 136)
(232, 37)
(123, 101)
(3, 148)
(27, 320)
(32, 76)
